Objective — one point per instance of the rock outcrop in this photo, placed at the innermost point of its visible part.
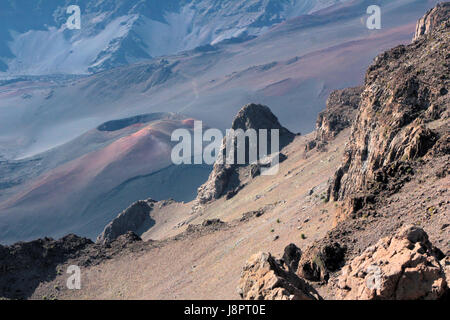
(403, 267)
(263, 278)
(135, 218)
(341, 109)
(433, 19)
(406, 89)
(25, 264)
(227, 177)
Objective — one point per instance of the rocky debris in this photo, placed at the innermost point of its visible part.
(125, 240)
(320, 259)
(135, 218)
(25, 264)
(402, 267)
(249, 215)
(291, 257)
(432, 19)
(406, 89)
(339, 114)
(227, 177)
(263, 278)
(258, 213)
(25, 254)
(206, 226)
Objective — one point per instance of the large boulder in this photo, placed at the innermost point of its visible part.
(264, 278)
(402, 267)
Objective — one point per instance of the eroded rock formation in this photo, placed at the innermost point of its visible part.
(226, 177)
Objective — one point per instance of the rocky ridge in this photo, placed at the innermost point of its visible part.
(406, 90)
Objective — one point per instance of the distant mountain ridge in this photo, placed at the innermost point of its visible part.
(34, 38)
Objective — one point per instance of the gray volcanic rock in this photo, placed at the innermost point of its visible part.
(225, 177)
(136, 217)
(432, 19)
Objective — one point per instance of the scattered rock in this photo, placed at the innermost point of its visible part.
(206, 226)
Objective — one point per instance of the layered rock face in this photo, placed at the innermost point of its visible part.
(339, 114)
(403, 267)
(432, 19)
(405, 90)
(263, 278)
(136, 217)
(225, 177)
